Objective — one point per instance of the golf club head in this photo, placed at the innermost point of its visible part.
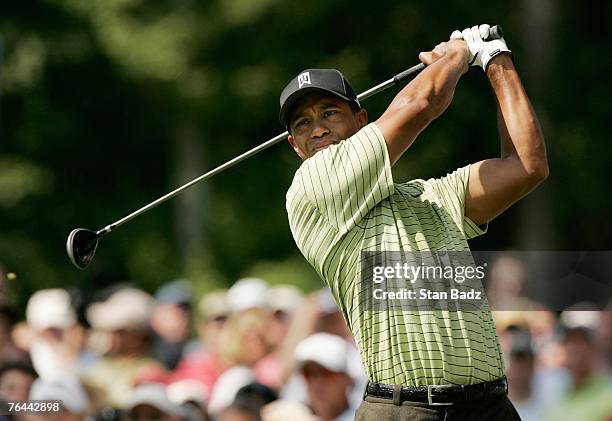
(81, 246)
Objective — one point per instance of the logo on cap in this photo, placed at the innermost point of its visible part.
(304, 79)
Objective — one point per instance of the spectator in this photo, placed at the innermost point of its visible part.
(505, 288)
(330, 319)
(318, 312)
(171, 322)
(520, 367)
(69, 391)
(283, 301)
(286, 410)
(589, 396)
(191, 395)
(56, 340)
(204, 363)
(124, 317)
(323, 362)
(237, 412)
(244, 343)
(248, 293)
(8, 349)
(255, 395)
(149, 401)
(16, 379)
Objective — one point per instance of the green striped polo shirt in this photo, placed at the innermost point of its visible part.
(343, 201)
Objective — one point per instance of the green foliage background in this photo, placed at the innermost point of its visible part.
(96, 96)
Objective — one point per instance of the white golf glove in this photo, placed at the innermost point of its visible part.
(481, 51)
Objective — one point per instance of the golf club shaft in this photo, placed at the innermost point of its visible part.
(370, 92)
(494, 32)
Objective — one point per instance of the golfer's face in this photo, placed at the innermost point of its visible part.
(321, 120)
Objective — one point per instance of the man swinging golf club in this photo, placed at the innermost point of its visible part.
(422, 365)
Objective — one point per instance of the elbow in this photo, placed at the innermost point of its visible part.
(538, 172)
(536, 162)
(544, 171)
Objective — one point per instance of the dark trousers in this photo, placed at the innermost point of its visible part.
(495, 409)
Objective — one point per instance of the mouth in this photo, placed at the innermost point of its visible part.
(318, 146)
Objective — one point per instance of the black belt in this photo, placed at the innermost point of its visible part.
(435, 395)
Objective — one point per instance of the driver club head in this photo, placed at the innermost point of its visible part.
(81, 246)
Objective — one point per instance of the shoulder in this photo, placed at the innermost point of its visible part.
(453, 183)
(297, 186)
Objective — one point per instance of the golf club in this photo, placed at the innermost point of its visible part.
(82, 243)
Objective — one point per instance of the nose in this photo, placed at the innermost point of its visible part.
(319, 128)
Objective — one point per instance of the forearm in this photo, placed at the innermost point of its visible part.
(421, 101)
(520, 133)
(434, 88)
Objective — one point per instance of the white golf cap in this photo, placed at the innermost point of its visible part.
(126, 308)
(214, 304)
(285, 298)
(50, 308)
(582, 314)
(248, 293)
(281, 410)
(329, 351)
(187, 390)
(152, 394)
(227, 386)
(67, 389)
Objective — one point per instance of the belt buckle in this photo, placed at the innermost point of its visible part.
(430, 401)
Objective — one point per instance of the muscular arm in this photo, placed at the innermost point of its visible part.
(424, 98)
(495, 184)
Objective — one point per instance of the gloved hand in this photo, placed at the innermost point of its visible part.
(481, 51)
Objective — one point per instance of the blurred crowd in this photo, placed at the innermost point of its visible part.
(261, 352)
(252, 352)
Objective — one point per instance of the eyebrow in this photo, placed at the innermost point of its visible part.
(323, 106)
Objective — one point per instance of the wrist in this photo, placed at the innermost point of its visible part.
(499, 64)
(459, 58)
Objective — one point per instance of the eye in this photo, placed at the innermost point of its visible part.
(328, 113)
(300, 122)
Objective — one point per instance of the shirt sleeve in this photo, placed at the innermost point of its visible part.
(450, 191)
(345, 181)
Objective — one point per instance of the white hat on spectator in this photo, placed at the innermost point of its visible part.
(50, 308)
(187, 390)
(286, 410)
(227, 386)
(329, 351)
(285, 298)
(126, 308)
(248, 293)
(152, 394)
(582, 314)
(67, 389)
(214, 304)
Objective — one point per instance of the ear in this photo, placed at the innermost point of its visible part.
(362, 117)
(294, 145)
